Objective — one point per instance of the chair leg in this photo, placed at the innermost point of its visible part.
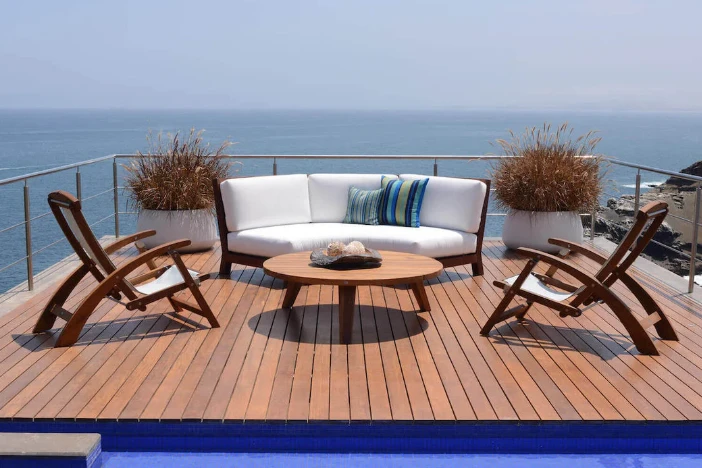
(174, 304)
(499, 314)
(205, 310)
(663, 327)
(48, 318)
(496, 316)
(477, 267)
(71, 332)
(520, 316)
(638, 334)
(225, 268)
(204, 306)
(583, 297)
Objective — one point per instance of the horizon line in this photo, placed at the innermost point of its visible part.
(363, 110)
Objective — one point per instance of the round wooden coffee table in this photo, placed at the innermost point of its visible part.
(397, 268)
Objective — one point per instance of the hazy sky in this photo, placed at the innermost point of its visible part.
(354, 54)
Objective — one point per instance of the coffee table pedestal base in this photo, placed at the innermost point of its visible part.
(347, 305)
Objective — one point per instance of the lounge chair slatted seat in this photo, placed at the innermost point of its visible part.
(574, 299)
(112, 281)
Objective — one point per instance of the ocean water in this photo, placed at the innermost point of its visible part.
(33, 140)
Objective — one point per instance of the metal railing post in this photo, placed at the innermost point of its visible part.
(695, 236)
(79, 187)
(28, 238)
(637, 197)
(115, 192)
(593, 222)
(275, 166)
(436, 167)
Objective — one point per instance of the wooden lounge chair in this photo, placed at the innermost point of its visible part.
(573, 300)
(112, 281)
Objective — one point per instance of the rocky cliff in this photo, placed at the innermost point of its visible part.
(675, 183)
(615, 219)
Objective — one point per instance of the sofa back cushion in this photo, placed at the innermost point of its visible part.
(329, 194)
(253, 202)
(451, 203)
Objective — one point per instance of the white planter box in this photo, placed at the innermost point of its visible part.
(196, 225)
(533, 229)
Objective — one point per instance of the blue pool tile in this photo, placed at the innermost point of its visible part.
(312, 460)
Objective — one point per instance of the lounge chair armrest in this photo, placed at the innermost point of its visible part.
(562, 264)
(579, 248)
(125, 241)
(123, 270)
(120, 274)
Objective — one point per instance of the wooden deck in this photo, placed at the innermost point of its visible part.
(266, 363)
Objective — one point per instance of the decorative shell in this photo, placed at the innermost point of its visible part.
(369, 259)
(336, 248)
(354, 248)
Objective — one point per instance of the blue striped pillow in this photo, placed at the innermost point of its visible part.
(363, 206)
(402, 201)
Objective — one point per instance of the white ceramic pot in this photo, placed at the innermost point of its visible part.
(197, 225)
(533, 229)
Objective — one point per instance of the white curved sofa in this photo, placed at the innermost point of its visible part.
(261, 217)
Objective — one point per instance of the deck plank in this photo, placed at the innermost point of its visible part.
(546, 399)
(339, 403)
(359, 398)
(606, 398)
(321, 371)
(607, 366)
(159, 340)
(225, 300)
(221, 396)
(283, 381)
(266, 363)
(239, 400)
(302, 377)
(571, 382)
(184, 357)
(417, 394)
(108, 326)
(263, 386)
(375, 370)
(507, 397)
(596, 340)
(396, 385)
(438, 399)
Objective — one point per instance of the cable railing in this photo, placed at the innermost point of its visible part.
(693, 256)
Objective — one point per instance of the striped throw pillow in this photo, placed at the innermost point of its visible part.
(363, 206)
(402, 201)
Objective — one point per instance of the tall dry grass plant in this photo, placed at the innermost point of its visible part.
(549, 171)
(176, 173)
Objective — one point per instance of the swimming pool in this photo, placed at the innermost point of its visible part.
(335, 460)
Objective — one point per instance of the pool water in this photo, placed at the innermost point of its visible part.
(323, 460)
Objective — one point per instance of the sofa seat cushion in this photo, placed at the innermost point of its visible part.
(253, 202)
(451, 203)
(278, 240)
(329, 194)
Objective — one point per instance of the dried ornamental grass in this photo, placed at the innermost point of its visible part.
(176, 173)
(548, 171)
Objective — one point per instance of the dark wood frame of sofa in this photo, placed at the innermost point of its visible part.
(475, 259)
